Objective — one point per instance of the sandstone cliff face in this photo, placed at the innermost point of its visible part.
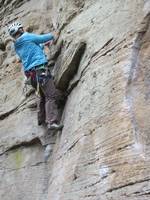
(102, 60)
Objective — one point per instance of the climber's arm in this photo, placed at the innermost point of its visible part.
(39, 39)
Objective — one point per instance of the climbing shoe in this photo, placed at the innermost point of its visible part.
(55, 126)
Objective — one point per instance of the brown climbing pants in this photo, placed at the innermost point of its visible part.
(47, 96)
(47, 107)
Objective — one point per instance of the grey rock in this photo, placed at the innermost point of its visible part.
(67, 68)
(102, 153)
(47, 152)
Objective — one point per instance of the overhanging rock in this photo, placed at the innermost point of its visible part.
(67, 67)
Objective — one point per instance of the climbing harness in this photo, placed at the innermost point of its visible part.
(40, 75)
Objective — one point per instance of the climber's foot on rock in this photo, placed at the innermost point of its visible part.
(54, 126)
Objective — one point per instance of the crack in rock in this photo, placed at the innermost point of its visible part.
(29, 143)
(126, 185)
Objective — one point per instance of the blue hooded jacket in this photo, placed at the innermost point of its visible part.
(28, 48)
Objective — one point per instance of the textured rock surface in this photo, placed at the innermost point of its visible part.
(67, 65)
(103, 151)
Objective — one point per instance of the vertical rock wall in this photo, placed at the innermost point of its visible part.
(103, 62)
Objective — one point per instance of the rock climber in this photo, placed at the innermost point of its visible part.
(28, 48)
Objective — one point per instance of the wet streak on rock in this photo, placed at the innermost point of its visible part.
(132, 78)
